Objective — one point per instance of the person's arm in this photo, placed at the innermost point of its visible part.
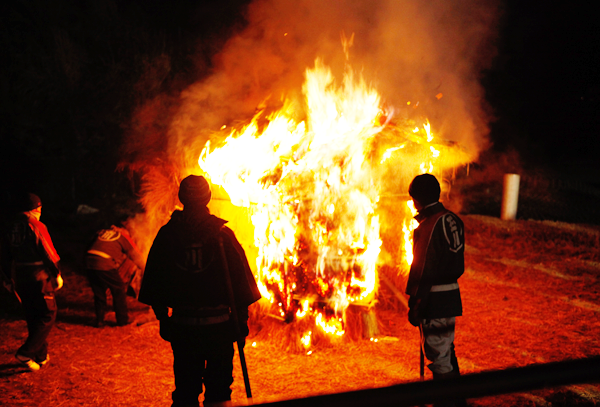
(155, 283)
(243, 281)
(131, 249)
(46, 247)
(244, 286)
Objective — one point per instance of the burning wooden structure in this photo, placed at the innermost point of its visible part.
(313, 189)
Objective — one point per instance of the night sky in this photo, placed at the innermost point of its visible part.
(545, 85)
(63, 117)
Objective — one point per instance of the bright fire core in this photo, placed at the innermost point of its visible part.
(313, 187)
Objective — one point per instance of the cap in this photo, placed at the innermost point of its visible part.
(194, 189)
(28, 202)
(425, 189)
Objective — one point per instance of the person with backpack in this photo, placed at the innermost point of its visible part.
(186, 283)
(438, 262)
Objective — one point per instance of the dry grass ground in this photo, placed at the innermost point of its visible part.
(531, 294)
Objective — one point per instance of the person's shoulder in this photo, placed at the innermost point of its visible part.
(453, 229)
(175, 222)
(452, 217)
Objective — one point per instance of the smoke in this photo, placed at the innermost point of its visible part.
(409, 50)
(430, 54)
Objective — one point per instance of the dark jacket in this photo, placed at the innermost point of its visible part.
(110, 248)
(438, 249)
(185, 270)
(28, 247)
(114, 249)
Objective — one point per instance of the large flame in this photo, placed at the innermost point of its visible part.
(313, 186)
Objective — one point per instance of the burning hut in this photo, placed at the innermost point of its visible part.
(315, 192)
(314, 181)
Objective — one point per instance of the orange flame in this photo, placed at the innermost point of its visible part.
(312, 189)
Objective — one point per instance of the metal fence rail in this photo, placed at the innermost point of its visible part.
(475, 385)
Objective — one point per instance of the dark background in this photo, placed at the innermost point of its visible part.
(74, 72)
(545, 85)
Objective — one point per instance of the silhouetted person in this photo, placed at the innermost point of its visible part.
(185, 274)
(112, 260)
(438, 262)
(29, 259)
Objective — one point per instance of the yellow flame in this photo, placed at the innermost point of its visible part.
(409, 226)
(312, 188)
(306, 339)
(427, 128)
(332, 326)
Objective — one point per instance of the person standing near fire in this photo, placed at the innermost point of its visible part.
(438, 262)
(185, 282)
(112, 261)
(31, 270)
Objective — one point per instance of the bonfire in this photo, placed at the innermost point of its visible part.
(316, 180)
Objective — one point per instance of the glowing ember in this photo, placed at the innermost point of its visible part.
(312, 188)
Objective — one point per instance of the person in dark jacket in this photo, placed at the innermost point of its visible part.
(185, 282)
(30, 265)
(112, 260)
(438, 262)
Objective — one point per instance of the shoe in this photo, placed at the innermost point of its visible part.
(43, 362)
(30, 363)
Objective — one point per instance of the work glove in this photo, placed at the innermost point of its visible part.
(166, 328)
(413, 313)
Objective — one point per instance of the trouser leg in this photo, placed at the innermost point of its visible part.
(188, 369)
(101, 280)
(118, 289)
(218, 376)
(119, 295)
(437, 338)
(438, 343)
(99, 289)
(454, 361)
(39, 305)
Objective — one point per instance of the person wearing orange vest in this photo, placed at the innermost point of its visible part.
(30, 260)
(112, 260)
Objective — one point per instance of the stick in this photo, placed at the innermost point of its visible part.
(422, 366)
(421, 356)
(234, 317)
(10, 287)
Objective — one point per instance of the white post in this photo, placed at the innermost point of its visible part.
(510, 197)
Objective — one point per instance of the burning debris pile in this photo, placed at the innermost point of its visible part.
(313, 159)
(312, 189)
